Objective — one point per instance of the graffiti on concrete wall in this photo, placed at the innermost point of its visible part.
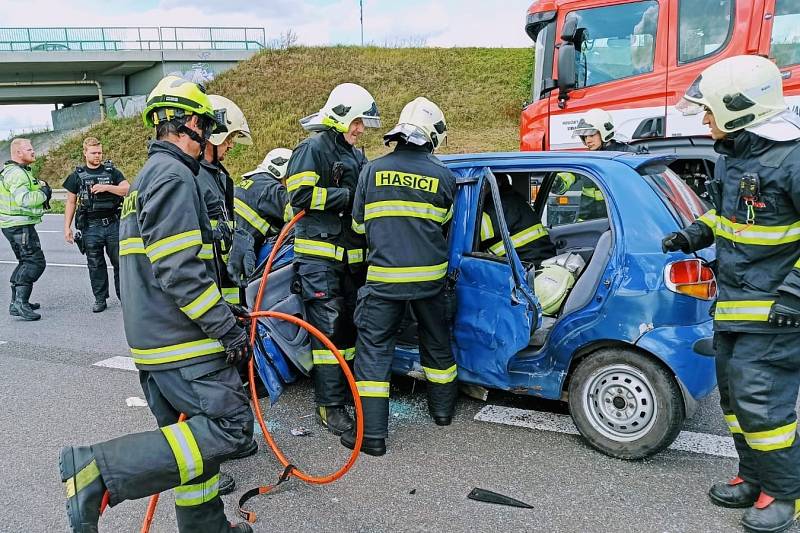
(125, 106)
(197, 73)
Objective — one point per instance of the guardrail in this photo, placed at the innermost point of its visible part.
(134, 38)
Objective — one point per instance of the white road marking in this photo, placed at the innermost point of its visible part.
(48, 231)
(69, 265)
(3, 342)
(118, 361)
(687, 441)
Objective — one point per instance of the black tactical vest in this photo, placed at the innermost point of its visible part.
(101, 202)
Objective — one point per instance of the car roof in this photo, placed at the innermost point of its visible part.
(634, 161)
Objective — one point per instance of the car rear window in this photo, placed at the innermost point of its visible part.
(679, 198)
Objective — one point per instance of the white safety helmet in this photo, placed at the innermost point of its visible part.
(421, 122)
(743, 92)
(346, 103)
(275, 163)
(234, 120)
(596, 121)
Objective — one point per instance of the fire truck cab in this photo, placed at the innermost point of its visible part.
(635, 58)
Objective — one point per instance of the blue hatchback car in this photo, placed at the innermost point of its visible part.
(630, 347)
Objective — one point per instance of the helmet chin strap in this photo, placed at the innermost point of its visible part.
(196, 137)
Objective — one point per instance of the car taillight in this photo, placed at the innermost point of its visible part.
(691, 277)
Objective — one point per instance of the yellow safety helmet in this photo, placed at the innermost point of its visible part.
(175, 97)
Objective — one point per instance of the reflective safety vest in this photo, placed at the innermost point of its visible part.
(529, 237)
(322, 176)
(21, 197)
(173, 309)
(403, 201)
(757, 235)
(260, 203)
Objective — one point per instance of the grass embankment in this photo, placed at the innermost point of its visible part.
(480, 90)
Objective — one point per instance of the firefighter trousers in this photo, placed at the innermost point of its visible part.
(27, 249)
(329, 295)
(378, 321)
(759, 376)
(184, 456)
(101, 240)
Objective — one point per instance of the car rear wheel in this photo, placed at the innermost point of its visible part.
(626, 405)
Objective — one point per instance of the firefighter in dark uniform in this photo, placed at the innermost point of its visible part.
(530, 238)
(329, 255)
(756, 228)
(403, 202)
(183, 336)
(94, 199)
(23, 200)
(260, 202)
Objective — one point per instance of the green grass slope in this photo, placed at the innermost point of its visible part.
(480, 90)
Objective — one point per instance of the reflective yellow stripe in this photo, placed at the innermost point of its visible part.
(797, 264)
(176, 352)
(133, 245)
(709, 218)
(200, 305)
(520, 239)
(231, 295)
(749, 310)
(326, 357)
(82, 479)
(733, 424)
(487, 229)
(358, 228)
(206, 251)
(318, 198)
(398, 208)
(406, 274)
(755, 234)
(318, 248)
(434, 375)
(593, 193)
(173, 244)
(288, 213)
(249, 214)
(198, 493)
(184, 448)
(448, 215)
(373, 389)
(355, 256)
(301, 179)
(773, 439)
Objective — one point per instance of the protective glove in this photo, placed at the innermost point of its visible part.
(48, 193)
(242, 315)
(237, 345)
(785, 312)
(674, 242)
(242, 259)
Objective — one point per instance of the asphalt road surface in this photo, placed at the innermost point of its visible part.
(53, 393)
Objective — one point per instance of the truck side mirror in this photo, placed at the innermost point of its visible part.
(570, 30)
(567, 76)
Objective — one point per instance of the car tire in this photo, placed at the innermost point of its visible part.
(625, 404)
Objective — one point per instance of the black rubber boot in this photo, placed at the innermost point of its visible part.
(374, 447)
(241, 527)
(335, 418)
(247, 452)
(769, 515)
(226, 484)
(12, 307)
(442, 402)
(99, 306)
(84, 486)
(735, 494)
(21, 303)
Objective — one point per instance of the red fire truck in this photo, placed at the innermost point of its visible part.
(635, 58)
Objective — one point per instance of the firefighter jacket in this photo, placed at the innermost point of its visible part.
(212, 182)
(756, 227)
(323, 173)
(531, 240)
(403, 201)
(259, 204)
(173, 310)
(21, 198)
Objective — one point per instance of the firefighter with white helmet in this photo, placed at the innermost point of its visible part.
(756, 196)
(596, 131)
(403, 203)
(329, 257)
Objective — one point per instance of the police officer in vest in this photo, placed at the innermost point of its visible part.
(260, 206)
(329, 256)
(94, 199)
(403, 202)
(755, 224)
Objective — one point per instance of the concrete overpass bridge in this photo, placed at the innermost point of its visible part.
(106, 66)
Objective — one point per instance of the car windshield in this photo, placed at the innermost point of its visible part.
(681, 200)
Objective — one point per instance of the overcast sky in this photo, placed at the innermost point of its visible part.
(316, 22)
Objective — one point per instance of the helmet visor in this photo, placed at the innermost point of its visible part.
(692, 101)
(409, 132)
(371, 117)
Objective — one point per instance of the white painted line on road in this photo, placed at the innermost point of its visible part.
(687, 441)
(48, 231)
(69, 265)
(118, 361)
(3, 342)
